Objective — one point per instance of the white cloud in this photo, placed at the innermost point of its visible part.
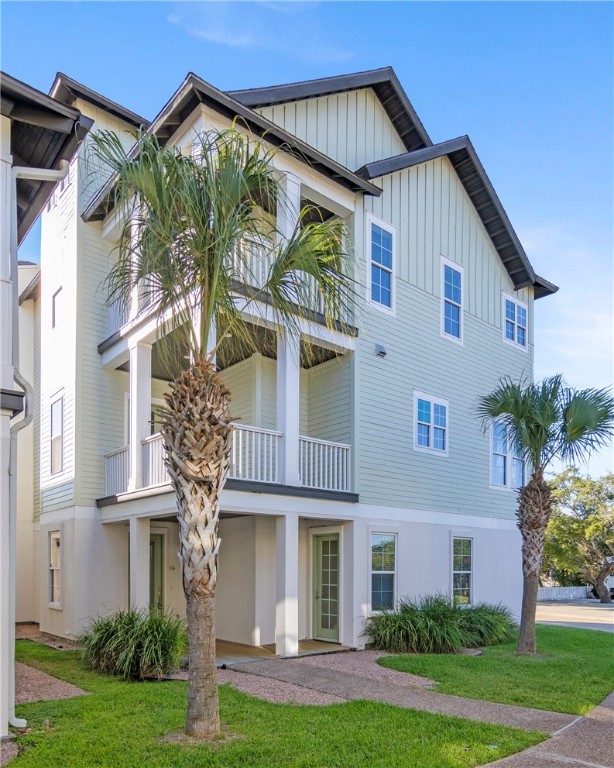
(268, 26)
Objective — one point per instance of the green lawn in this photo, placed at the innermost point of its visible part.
(573, 672)
(121, 725)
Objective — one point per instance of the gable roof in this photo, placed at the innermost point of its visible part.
(384, 82)
(43, 133)
(67, 91)
(194, 91)
(474, 179)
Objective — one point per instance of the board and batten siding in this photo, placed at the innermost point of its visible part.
(433, 217)
(352, 128)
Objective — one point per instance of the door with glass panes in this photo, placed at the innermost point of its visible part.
(326, 587)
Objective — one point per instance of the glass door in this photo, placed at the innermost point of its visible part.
(326, 587)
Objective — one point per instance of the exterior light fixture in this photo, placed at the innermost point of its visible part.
(380, 350)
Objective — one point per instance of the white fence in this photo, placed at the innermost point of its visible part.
(154, 471)
(562, 593)
(254, 454)
(324, 465)
(116, 471)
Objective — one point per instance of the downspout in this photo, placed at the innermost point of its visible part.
(35, 174)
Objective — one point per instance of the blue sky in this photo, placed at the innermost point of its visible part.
(531, 83)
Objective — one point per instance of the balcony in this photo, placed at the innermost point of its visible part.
(323, 465)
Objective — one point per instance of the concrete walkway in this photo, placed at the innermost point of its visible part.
(352, 686)
(588, 743)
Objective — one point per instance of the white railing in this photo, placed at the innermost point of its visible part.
(324, 465)
(116, 471)
(254, 454)
(252, 266)
(117, 316)
(154, 471)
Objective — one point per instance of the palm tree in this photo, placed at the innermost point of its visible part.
(182, 249)
(545, 421)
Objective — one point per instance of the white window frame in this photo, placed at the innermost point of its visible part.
(57, 536)
(445, 262)
(461, 537)
(510, 456)
(434, 401)
(370, 220)
(517, 303)
(59, 398)
(379, 532)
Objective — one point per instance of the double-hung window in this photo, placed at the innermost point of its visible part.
(57, 435)
(514, 321)
(430, 424)
(54, 568)
(462, 567)
(381, 263)
(383, 571)
(508, 468)
(452, 300)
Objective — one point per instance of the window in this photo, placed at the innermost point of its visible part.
(56, 308)
(54, 568)
(383, 571)
(452, 300)
(431, 424)
(381, 264)
(57, 435)
(461, 570)
(514, 321)
(507, 462)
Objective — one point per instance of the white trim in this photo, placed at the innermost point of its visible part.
(509, 465)
(382, 530)
(518, 303)
(418, 395)
(326, 530)
(371, 219)
(445, 262)
(158, 530)
(468, 537)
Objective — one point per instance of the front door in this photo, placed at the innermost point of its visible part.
(326, 587)
(156, 583)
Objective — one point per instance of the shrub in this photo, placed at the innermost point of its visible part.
(435, 624)
(134, 644)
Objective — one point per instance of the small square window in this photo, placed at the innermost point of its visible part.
(515, 321)
(431, 424)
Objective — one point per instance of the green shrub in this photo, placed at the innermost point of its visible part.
(435, 624)
(134, 644)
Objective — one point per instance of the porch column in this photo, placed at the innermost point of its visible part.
(139, 563)
(286, 610)
(140, 410)
(289, 205)
(288, 405)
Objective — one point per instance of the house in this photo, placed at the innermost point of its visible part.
(38, 135)
(360, 472)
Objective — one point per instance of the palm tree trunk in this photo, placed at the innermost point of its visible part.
(197, 431)
(534, 506)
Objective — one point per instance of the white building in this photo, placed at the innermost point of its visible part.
(360, 472)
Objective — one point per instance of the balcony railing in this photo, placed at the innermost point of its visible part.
(324, 464)
(116, 471)
(254, 456)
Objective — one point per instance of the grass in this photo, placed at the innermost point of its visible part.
(573, 672)
(121, 724)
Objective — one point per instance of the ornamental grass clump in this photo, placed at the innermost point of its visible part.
(435, 624)
(135, 644)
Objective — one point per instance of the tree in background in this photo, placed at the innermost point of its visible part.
(580, 534)
(545, 420)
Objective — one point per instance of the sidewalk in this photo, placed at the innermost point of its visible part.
(588, 743)
(353, 686)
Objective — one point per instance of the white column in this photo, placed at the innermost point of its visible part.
(288, 405)
(289, 205)
(286, 610)
(140, 410)
(139, 562)
(7, 621)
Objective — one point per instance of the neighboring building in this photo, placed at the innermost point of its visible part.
(37, 137)
(360, 473)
